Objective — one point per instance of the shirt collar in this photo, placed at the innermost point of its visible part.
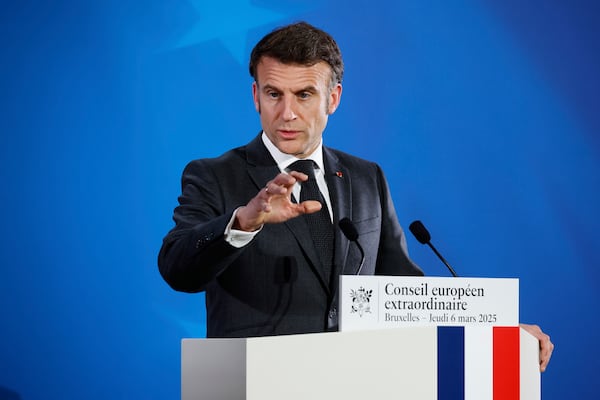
(284, 160)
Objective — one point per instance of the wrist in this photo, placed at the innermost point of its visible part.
(241, 224)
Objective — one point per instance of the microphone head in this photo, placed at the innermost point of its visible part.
(348, 229)
(419, 231)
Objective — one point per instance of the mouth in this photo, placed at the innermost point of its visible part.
(288, 133)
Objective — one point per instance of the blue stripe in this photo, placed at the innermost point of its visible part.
(451, 363)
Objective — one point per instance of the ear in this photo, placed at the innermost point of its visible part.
(334, 98)
(255, 96)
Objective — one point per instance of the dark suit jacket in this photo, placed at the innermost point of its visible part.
(274, 285)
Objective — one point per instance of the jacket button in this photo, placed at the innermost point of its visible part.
(332, 313)
(204, 240)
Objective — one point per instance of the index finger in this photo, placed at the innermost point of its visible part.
(300, 176)
(287, 180)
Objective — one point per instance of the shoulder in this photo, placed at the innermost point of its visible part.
(236, 157)
(227, 158)
(352, 162)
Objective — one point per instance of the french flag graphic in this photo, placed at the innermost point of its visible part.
(486, 363)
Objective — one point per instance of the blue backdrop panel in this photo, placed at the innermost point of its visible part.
(482, 113)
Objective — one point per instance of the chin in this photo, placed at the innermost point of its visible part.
(291, 150)
(295, 153)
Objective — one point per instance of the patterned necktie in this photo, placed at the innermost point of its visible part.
(319, 223)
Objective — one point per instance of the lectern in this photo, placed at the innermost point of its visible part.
(416, 363)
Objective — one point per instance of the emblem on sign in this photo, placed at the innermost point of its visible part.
(361, 301)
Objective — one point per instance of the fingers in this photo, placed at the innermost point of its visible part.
(546, 345)
(283, 184)
(546, 349)
(272, 189)
(273, 204)
(287, 180)
(261, 209)
(299, 176)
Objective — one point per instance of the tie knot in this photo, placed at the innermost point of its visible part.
(305, 166)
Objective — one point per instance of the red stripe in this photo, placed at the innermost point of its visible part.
(506, 363)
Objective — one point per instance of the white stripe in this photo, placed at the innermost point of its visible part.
(531, 385)
(479, 363)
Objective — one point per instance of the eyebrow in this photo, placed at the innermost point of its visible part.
(269, 87)
(309, 88)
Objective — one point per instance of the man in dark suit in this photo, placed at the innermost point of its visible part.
(254, 231)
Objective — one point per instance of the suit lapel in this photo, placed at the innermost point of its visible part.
(340, 192)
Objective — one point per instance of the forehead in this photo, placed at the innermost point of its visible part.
(270, 72)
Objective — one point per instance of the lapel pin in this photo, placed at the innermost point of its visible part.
(339, 174)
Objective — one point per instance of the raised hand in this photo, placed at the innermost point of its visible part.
(273, 204)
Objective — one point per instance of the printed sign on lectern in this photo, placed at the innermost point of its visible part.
(380, 302)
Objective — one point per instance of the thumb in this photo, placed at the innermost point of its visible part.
(310, 206)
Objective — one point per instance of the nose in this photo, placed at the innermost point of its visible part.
(288, 109)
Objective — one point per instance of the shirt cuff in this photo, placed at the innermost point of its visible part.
(238, 238)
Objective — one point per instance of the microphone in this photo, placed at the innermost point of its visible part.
(422, 235)
(349, 230)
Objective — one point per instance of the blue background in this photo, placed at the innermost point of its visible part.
(484, 115)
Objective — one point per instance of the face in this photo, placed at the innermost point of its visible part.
(294, 102)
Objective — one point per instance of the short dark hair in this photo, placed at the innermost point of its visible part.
(299, 43)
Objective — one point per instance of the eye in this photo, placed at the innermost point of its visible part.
(272, 94)
(304, 95)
